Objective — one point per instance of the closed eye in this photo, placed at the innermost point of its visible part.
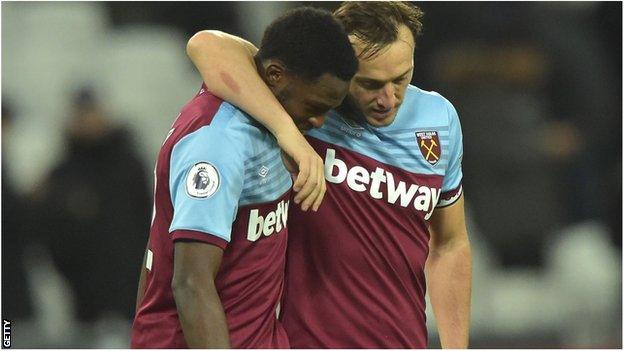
(371, 84)
(399, 80)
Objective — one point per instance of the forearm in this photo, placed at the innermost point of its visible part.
(202, 317)
(449, 285)
(227, 67)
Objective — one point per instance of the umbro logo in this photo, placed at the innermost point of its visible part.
(263, 171)
(351, 123)
(353, 128)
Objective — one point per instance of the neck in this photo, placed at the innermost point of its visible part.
(348, 109)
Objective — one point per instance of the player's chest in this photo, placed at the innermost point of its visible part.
(364, 182)
(420, 149)
(265, 178)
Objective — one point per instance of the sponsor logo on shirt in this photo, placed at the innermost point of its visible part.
(422, 198)
(202, 180)
(272, 222)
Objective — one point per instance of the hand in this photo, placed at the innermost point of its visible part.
(307, 168)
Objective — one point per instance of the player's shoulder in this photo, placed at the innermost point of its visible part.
(430, 107)
(209, 120)
(429, 96)
(205, 110)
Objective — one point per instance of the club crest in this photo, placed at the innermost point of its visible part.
(429, 145)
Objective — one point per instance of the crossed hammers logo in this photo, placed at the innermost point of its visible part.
(429, 149)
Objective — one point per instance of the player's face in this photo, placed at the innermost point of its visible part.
(308, 102)
(378, 88)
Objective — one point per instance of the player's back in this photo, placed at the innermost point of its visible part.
(219, 180)
(355, 279)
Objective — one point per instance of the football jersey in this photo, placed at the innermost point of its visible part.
(219, 180)
(355, 269)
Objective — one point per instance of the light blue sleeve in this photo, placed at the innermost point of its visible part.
(453, 175)
(205, 182)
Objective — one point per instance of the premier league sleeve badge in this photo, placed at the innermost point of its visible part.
(202, 180)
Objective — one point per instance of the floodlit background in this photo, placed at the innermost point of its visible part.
(89, 91)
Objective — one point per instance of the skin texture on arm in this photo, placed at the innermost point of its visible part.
(449, 274)
(226, 64)
(199, 307)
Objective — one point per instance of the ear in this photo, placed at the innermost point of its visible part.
(275, 73)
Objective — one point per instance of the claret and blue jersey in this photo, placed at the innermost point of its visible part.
(220, 180)
(355, 274)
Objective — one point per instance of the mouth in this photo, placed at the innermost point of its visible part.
(381, 114)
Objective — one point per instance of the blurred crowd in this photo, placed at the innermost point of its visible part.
(90, 215)
(538, 87)
(538, 90)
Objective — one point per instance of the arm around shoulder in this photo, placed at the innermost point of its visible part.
(226, 64)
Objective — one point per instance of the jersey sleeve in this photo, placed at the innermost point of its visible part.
(452, 184)
(206, 179)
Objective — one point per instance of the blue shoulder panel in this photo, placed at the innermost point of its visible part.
(453, 176)
(397, 144)
(206, 176)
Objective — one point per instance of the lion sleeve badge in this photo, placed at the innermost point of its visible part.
(202, 180)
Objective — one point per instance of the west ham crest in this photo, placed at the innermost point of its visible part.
(429, 145)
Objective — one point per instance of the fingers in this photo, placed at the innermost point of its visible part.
(307, 166)
(309, 187)
(301, 179)
(321, 195)
(314, 190)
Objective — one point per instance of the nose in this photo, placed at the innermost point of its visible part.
(386, 98)
(317, 121)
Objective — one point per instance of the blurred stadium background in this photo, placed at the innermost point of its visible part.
(89, 90)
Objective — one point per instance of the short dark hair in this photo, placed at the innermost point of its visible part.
(310, 42)
(376, 23)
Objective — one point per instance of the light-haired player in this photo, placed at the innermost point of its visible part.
(394, 205)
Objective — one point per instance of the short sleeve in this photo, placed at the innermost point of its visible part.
(452, 184)
(205, 183)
